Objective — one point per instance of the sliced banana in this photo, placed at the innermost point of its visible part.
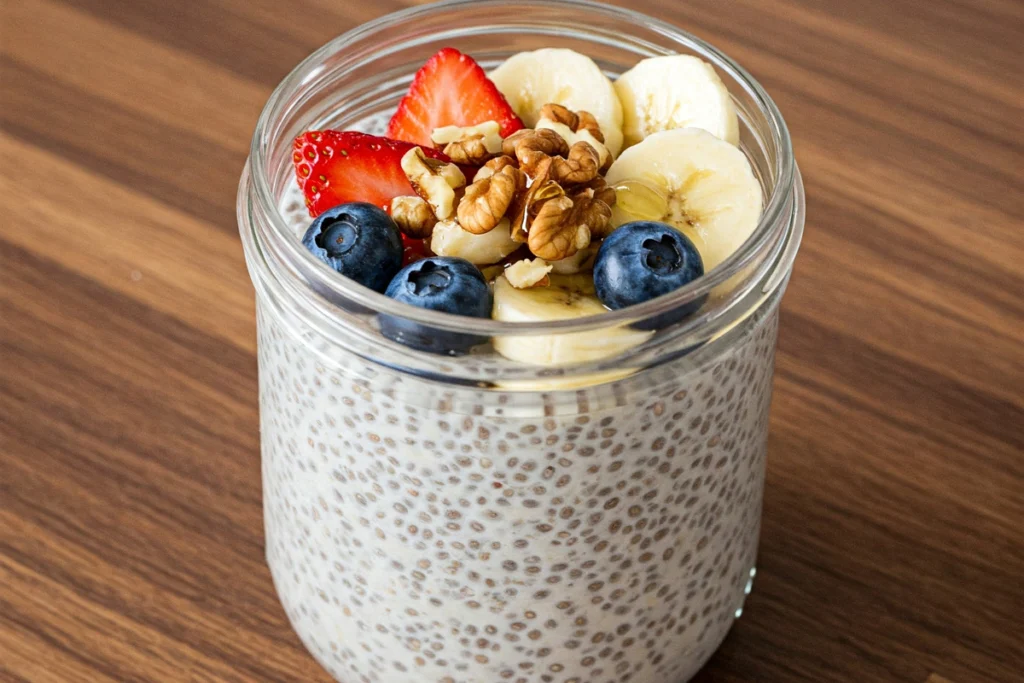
(568, 296)
(529, 80)
(676, 91)
(579, 262)
(449, 239)
(694, 181)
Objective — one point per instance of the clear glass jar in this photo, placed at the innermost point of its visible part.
(471, 519)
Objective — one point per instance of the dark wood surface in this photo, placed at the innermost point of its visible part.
(130, 523)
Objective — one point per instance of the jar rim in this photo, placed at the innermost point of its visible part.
(319, 278)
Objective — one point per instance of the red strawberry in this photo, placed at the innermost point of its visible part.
(415, 250)
(334, 167)
(450, 90)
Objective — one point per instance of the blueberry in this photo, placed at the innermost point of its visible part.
(643, 260)
(358, 240)
(452, 285)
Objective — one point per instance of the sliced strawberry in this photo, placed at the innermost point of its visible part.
(415, 250)
(450, 90)
(334, 167)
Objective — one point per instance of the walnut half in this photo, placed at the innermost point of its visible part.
(564, 225)
(487, 200)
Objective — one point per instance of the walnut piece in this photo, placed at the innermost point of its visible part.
(471, 151)
(575, 121)
(580, 166)
(433, 180)
(528, 273)
(588, 123)
(413, 216)
(531, 147)
(598, 213)
(494, 166)
(487, 200)
(571, 137)
(564, 225)
(559, 114)
(559, 230)
(469, 145)
(602, 190)
(539, 189)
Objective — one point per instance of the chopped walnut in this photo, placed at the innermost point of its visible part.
(488, 129)
(433, 180)
(470, 145)
(494, 166)
(599, 214)
(559, 114)
(541, 188)
(588, 123)
(471, 151)
(487, 200)
(558, 230)
(602, 190)
(528, 273)
(580, 166)
(531, 147)
(413, 216)
(572, 137)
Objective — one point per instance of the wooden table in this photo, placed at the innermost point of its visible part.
(131, 539)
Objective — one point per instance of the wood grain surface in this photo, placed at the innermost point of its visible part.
(131, 539)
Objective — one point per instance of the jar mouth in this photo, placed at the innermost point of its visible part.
(759, 259)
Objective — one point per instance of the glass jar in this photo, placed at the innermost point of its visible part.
(472, 519)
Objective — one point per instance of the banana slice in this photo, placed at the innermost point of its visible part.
(677, 91)
(529, 80)
(579, 262)
(568, 296)
(694, 181)
(449, 239)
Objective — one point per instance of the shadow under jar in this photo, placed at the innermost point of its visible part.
(471, 519)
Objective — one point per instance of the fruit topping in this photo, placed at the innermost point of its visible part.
(644, 260)
(695, 182)
(567, 296)
(450, 90)
(557, 76)
(334, 167)
(360, 241)
(450, 285)
(675, 91)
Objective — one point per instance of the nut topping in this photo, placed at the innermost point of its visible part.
(433, 180)
(598, 213)
(558, 231)
(528, 273)
(575, 121)
(531, 147)
(471, 145)
(487, 200)
(581, 165)
(413, 216)
(601, 189)
(589, 124)
(494, 166)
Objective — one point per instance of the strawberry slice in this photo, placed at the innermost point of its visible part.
(414, 250)
(450, 90)
(334, 167)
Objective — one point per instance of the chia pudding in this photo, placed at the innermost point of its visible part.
(569, 505)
